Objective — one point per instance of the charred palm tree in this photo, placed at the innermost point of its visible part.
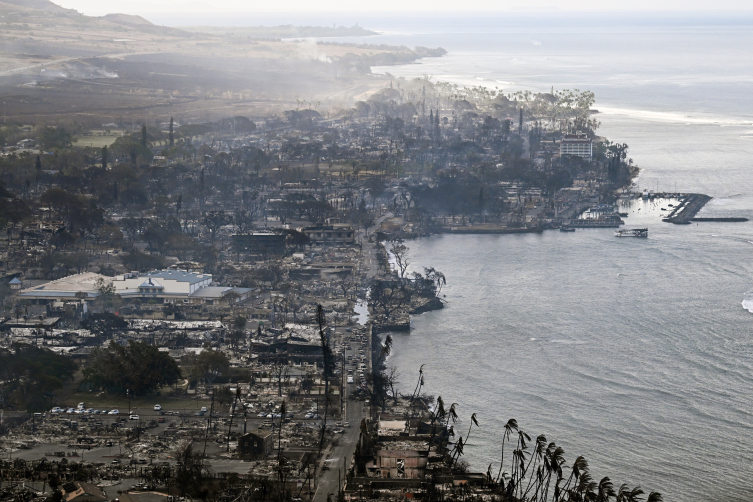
(328, 363)
(232, 414)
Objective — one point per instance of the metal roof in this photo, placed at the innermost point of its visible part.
(180, 276)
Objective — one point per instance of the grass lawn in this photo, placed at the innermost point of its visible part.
(103, 400)
(96, 141)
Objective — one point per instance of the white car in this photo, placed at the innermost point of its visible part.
(157, 407)
(56, 410)
(113, 412)
(133, 417)
(204, 409)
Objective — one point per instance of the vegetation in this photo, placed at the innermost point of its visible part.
(29, 376)
(135, 367)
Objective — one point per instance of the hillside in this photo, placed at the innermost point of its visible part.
(127, 19)
(59, 66)
(282, 31)
(44, 5)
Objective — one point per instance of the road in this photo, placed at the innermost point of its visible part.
(368, 249)
(342, 453)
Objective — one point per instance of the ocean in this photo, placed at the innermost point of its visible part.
(637, 354)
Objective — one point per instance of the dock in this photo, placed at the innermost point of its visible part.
(684, 213)
(594, 223)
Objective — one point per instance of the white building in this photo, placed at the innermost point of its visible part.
(175, 286)
(578, 145)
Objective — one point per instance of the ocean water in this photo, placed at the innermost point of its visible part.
(637, 354)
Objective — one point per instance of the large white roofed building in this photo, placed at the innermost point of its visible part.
(578, 145)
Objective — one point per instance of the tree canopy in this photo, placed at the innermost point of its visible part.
(30, 375)
(137, 366)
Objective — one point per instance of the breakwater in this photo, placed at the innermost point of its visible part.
(725, 220)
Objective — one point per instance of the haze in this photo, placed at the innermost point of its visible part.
(96, 7)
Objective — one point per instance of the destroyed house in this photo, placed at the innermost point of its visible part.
(255, 444)
(82, 492)
(263, 243)
(338, 234)
(402, 460)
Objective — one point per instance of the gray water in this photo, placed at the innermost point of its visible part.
(635, 353)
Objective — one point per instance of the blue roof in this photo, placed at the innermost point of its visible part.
(15, 281)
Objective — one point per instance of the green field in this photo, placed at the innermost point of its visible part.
(98, 139)
(105, 401)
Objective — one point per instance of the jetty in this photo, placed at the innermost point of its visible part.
(686, 210)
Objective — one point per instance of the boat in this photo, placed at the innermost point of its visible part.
(567, 229)
(632, 232)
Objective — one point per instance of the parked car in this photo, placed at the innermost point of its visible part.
(261, 415)
(204, 409)
(134, 417)
(113, 412)
(157, 407)
(56, 410)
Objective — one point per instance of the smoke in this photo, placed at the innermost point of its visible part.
(309, 49)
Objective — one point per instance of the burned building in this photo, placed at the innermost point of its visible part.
(255, 444)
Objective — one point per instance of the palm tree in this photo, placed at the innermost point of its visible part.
(606, 490)
(511, 425)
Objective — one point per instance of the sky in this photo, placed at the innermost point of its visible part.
(271, 11)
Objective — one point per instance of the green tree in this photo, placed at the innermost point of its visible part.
(29, 376)
(55, 137)
(105, 324)
(137, 366)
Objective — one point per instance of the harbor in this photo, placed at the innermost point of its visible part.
(682, 207)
